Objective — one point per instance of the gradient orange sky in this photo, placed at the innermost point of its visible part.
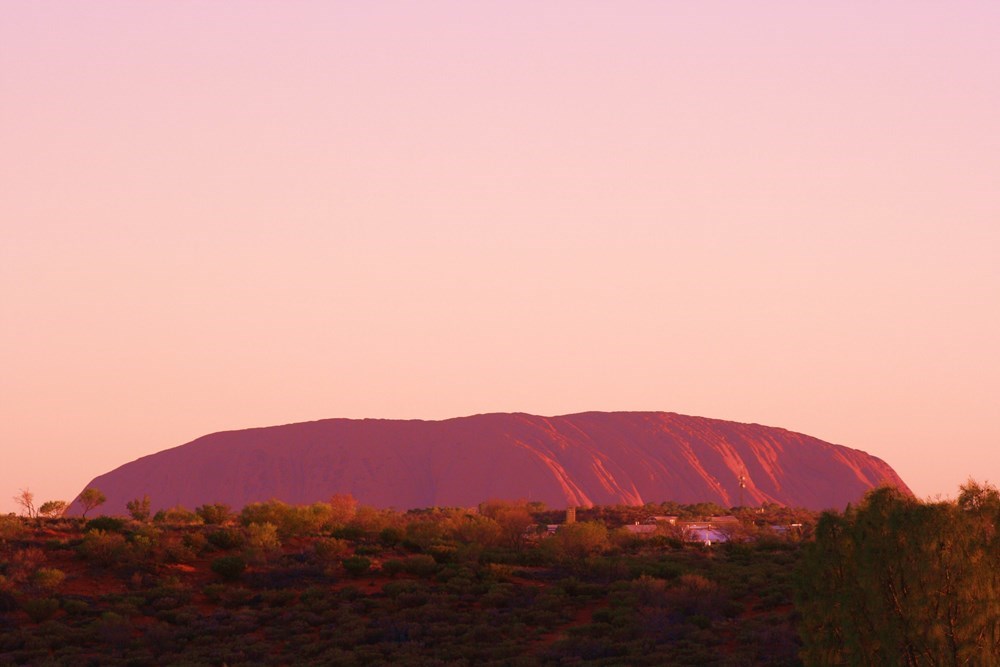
(225, 214)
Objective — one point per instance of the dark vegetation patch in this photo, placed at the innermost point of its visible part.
(332, 583)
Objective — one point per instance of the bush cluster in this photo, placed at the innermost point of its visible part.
(334, 583)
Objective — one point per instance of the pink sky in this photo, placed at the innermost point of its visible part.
(223, 215)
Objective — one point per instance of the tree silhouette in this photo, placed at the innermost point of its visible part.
(139, 508)
(52, 508)
(91, 498)
(900, 581)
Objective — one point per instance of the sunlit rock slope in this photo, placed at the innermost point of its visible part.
(581, 459)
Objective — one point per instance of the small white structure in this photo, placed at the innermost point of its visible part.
(705, 535)
(787, 529)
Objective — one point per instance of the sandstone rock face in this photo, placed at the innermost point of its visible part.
(583, 459)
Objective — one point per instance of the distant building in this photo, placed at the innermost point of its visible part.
(790, 529)
(714, 530)
(727, 519)
(670, 519)
(704, 535)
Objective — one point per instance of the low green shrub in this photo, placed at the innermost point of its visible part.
(215, 592)
(11, 527)
(75, 607)
(40, 609)
(356, 565)
(176, 549)
(47, 579)
(103, 547)
(390, 536)
(330, 548)
(392, 567)
(262, 537)
(108, 524)
(420, 565)
(351, 533)
(177, 515)
(230, 568)
(226, 538)
(214, 514)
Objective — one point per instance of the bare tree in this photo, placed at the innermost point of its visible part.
(26, 499)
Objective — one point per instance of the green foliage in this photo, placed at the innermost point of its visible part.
(47, 579)
(290, 520)
(272, 512)
(108, 524)
(141, 548)
(696, 595)
(356, 565)
(390, 536)
(75, 607)
(175, 547)
(392, 567)
(114, 629)
(900, 581)
(512, 520)
(576, 541)
(195, 541)
(443, 552)
(351, 533)
(139, 508)
(226, 538)
(330, 549)
(177, 516)
(486, 531)
(214, 514)
(466, 595)
(263, 537)
(10, 527)
(363, 549)
(371, 521)
(420, 565)
(91, 498)
(229, 568)
(102, 547)
(650, 591)
(52, 508)
(41, 609)
(23, 563)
